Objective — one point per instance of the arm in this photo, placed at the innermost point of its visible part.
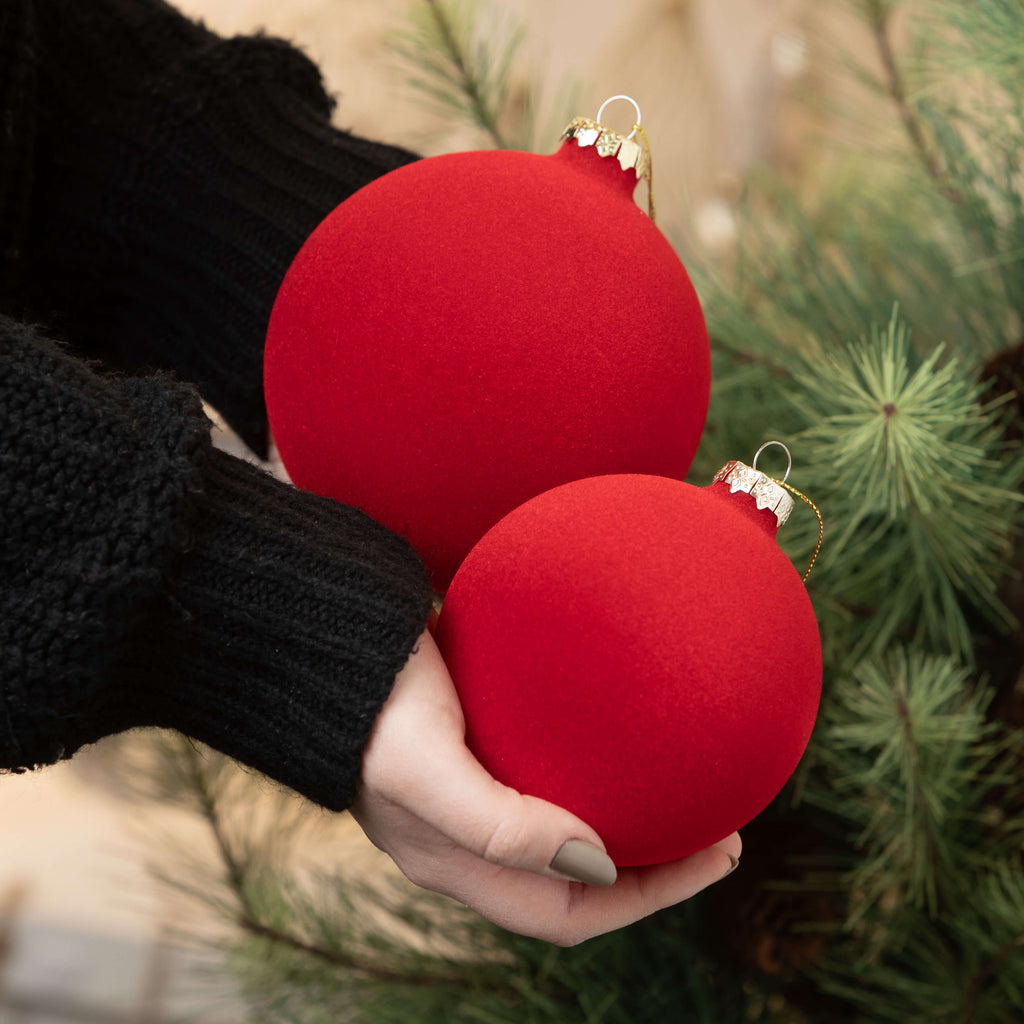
(149, 579)
(156, 184)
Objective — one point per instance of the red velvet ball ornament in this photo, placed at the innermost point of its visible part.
(473, 329)
(641, 652)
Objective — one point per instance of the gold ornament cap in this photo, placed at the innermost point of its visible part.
(632, 156)
(768, 493)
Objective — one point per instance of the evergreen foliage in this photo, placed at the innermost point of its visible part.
(455, 64)
(457, 71)
(920, 487)
(862, 321)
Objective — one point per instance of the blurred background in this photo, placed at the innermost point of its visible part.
(86, 932)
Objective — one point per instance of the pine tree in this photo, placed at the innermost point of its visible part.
(871, 318)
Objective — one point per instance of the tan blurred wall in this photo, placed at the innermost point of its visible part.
(708, 74)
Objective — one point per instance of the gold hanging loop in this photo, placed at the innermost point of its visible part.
(821, 524)
(793, 490)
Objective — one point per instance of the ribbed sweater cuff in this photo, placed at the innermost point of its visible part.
(281, 632)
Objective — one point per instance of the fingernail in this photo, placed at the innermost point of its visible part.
(585, 863)
(734, 863)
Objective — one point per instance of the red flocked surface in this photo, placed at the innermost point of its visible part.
(471, 330)
(641, 652)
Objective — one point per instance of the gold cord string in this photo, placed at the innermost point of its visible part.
(821, 523)
(649, 175)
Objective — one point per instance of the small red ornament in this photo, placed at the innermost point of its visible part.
(639, 651)
(473, 329)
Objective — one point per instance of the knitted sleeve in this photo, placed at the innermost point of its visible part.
(156, 181)
(149, 579)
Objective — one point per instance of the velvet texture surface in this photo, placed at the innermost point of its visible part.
(471, 330)
(639, 651)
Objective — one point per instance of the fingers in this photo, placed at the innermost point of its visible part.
(453, 828)
(732, 846)
(640, 892)
(417, 758)
(505, 828)
(566, 914)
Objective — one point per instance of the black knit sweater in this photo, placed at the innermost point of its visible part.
(155, 183)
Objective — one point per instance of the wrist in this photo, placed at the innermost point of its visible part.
(280, 632)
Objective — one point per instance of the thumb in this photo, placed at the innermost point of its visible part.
(506, 828)
(418, 759)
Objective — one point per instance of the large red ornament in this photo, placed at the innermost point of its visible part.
(473, 329)
(639, 651)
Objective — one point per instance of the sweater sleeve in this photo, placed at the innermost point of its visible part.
(158, 180)
(149, 579)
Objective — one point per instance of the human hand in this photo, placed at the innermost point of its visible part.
(450, 827)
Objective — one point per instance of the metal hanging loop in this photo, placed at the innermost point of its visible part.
(789, 457)
(628, 99)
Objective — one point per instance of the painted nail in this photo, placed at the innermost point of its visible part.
(584, 862)
(734, 863)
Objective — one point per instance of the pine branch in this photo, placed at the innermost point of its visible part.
(236, 875)
(493, 977)
(919, 793)
(470, 81)
(920, 492)
(987, 973)
(964, 966)
(911, 794)
(350, 964)
(248, 917)
(997, 933)
(465, 75)
(878, 12)
(970, 147)
(463, 64)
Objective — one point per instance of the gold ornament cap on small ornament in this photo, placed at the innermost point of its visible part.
(768, 493)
